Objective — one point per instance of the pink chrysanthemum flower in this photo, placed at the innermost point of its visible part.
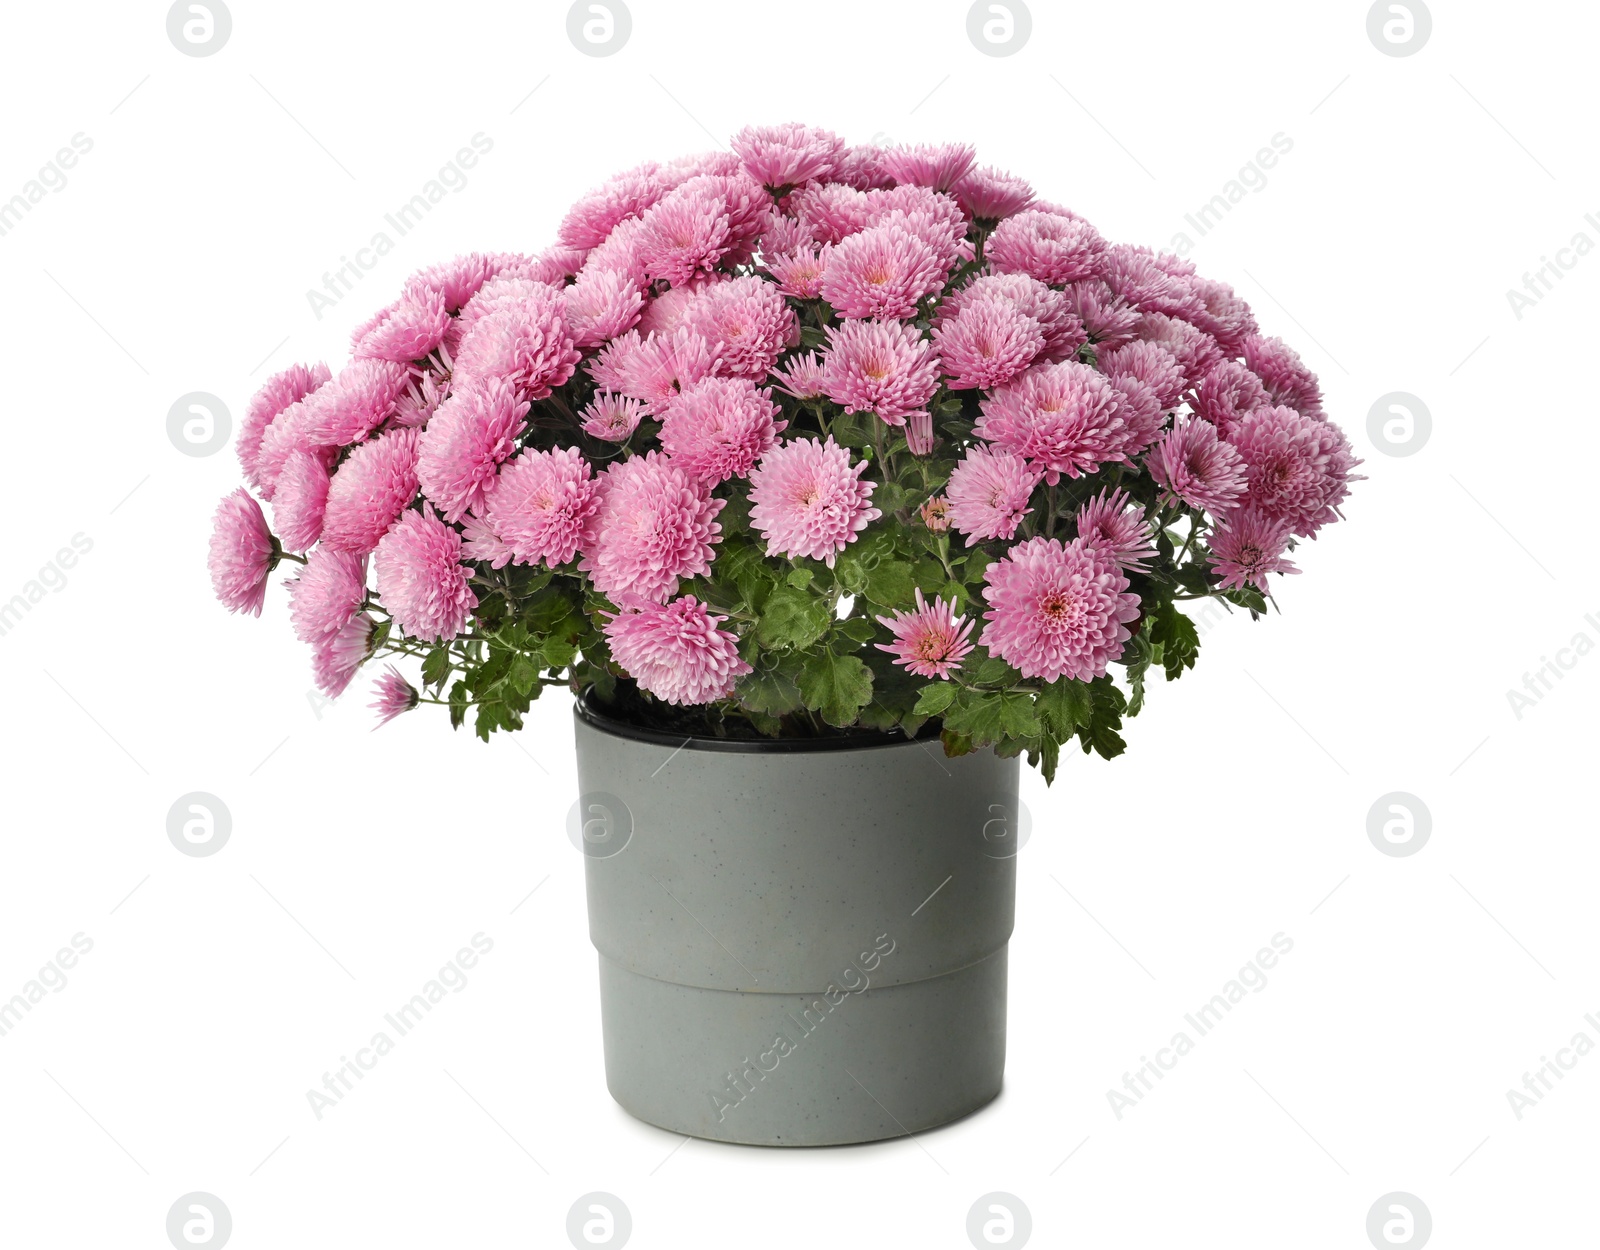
(1222, 314)
(676, 172)
(1287, 380)
(667, 311)
(930, 640)
(537, 510)
(598, 213)
(1248, 546)
(1195, 466)
(527, 344)
(919, 433)
(369, 491)
(422, 582)
(832, 211)
(287, 435)
(1063, 332)
(474, 431)
(988, 492)
(1227, 394)
(1107, 318)
(653, 370)
(601, 305)
(935, 514)
(327, 593)
(336, 657)
(676, 652)
(1298, 468)
(884, 367)
(298, 501)
(1195, 350)
(280, 390)
(881, 272)
(781, 234)
(241, 553)
(1046, 246)
(799, 272)
(1117, 529)
(807, 499)
(355, 403)
(943, 232)
(686, 232)
(504, 290)
(613, 418)
(748, 206)
(1057, 610)
(1141, 414)
(1150, 363)
(393, 695)
(748, 324)
(622, 251)
(989, 341)
(458, 280)
(990, 194)
(936, 165)
(1150, 283)
(1064, 418)
(800, 376)
(789, 154)
(654, 526)
(421, 399)
(862, 167)
(719, 427)
(407, 330)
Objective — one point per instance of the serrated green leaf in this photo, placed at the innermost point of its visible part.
(436, 667)
(792, 618)
(891, 583)
(772, 692)
(1065, 704)
(837, 686)
(857, 629)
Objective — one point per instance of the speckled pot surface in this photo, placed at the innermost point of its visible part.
(800, 944)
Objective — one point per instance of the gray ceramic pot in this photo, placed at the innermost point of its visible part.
(801, 944)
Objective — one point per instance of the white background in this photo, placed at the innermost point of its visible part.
(1420, 989)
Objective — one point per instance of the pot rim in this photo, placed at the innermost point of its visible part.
(869, 740)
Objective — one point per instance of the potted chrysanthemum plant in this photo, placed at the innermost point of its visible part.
(831, 481)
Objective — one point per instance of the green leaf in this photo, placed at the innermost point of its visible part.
(460, 698)
(559, 652)
(852, 429)
(800, 578)
(857, 629)
(792, 618)
(994, 672)
(935, 697)
(524, 674)
(1064, 705)
(436, 667)
(772, 692)
(838, 686)
(1177, 637)
(891, 583)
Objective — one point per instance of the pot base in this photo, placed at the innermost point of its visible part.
(776, 1069)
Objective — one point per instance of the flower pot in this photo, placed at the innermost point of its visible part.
(802, 943)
